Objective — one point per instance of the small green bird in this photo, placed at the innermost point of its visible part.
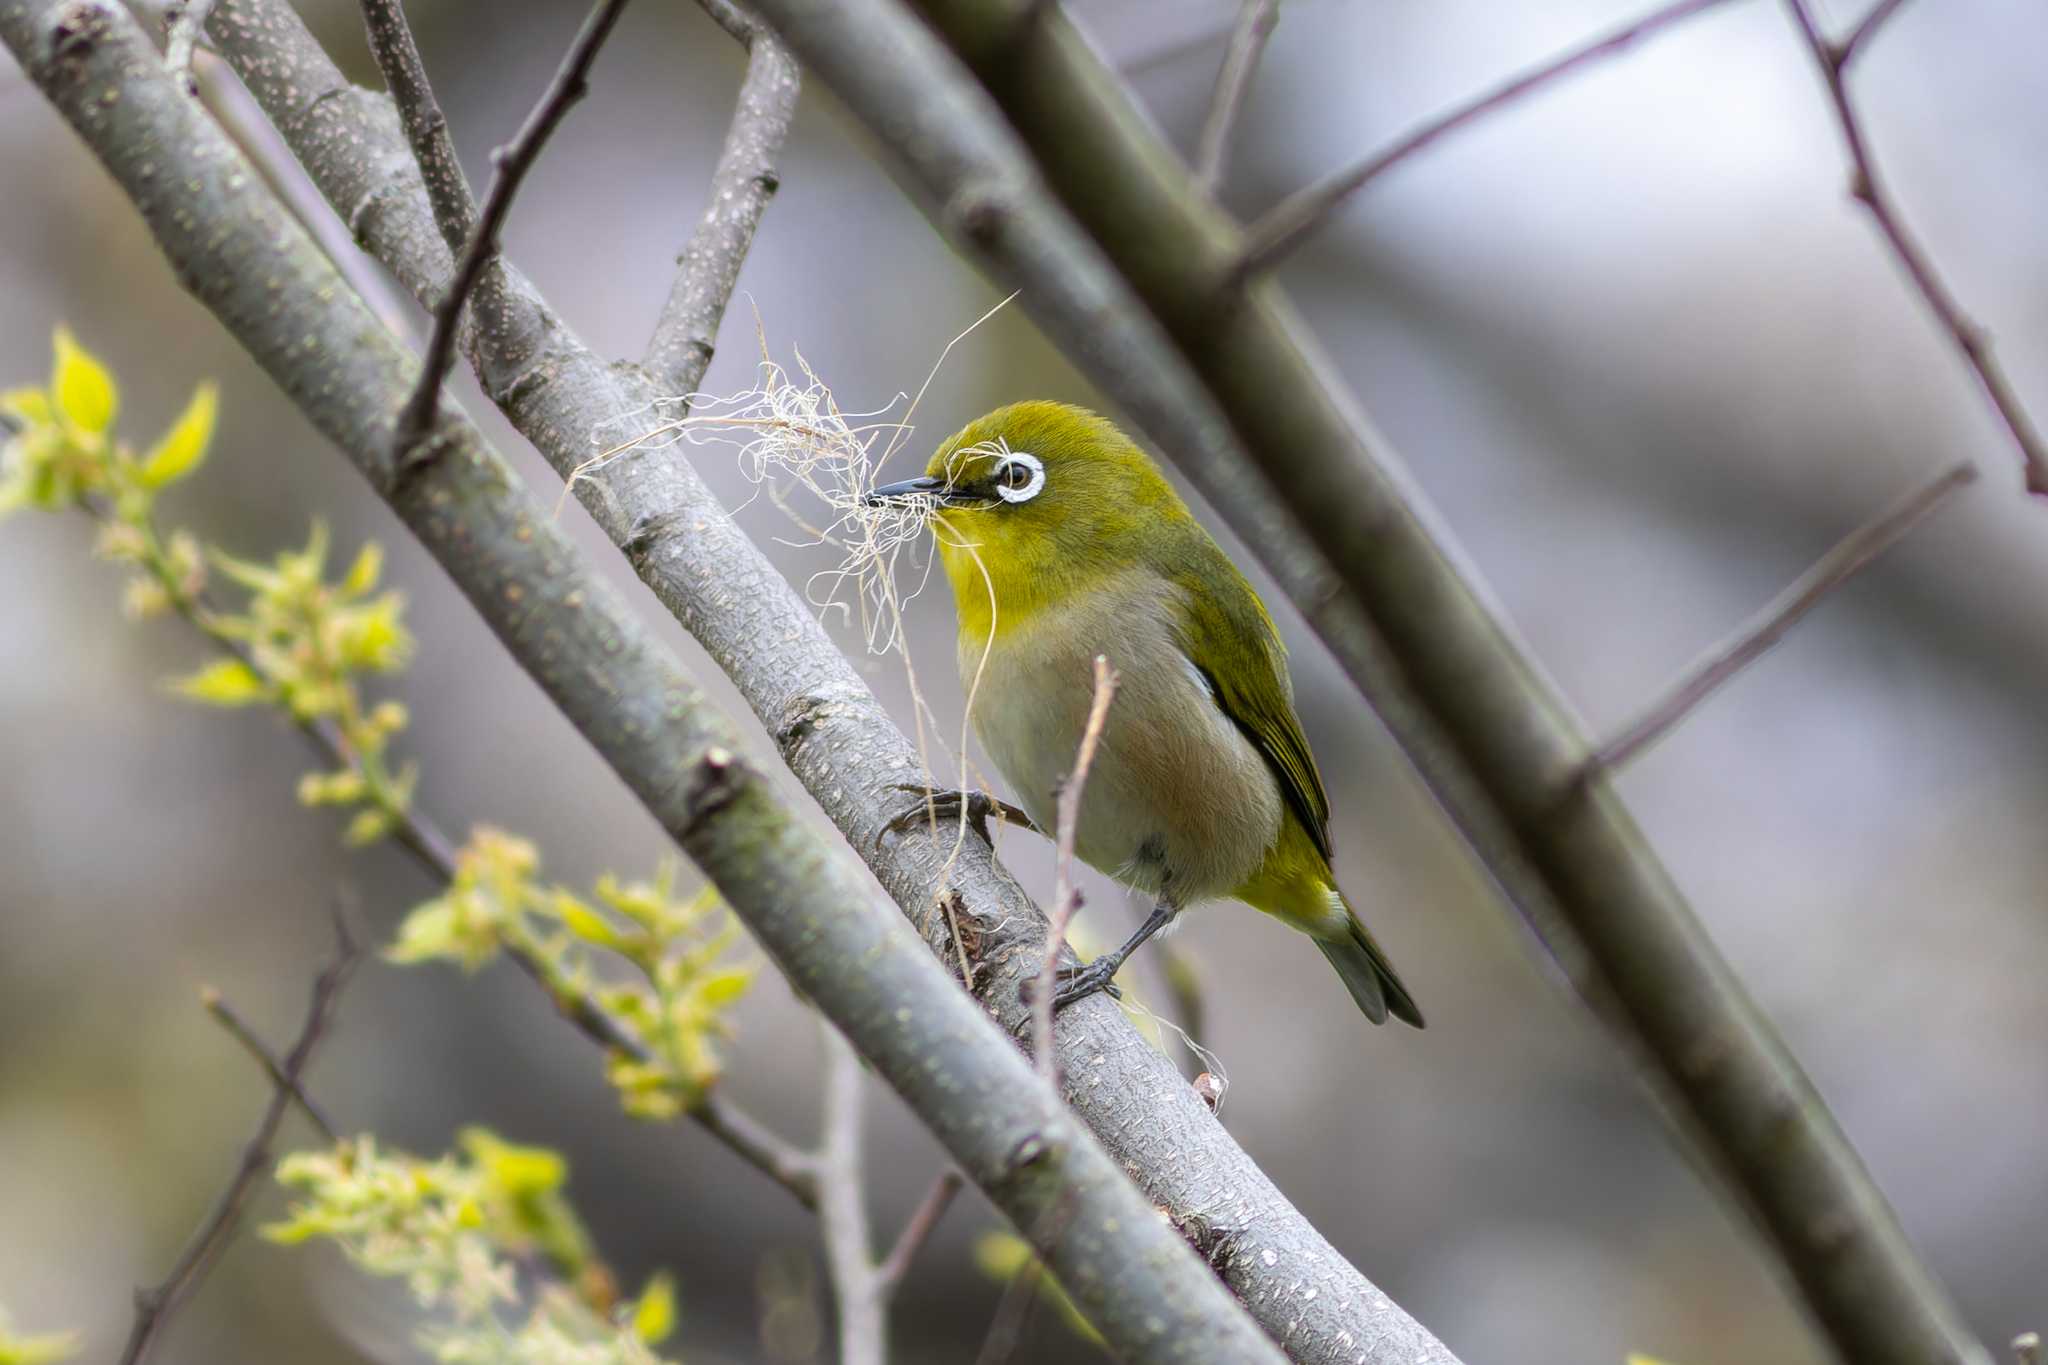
(1062, 541)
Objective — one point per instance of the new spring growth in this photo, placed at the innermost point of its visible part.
(301, 644)
(679, 1002)
(42, 1349)
(458, 1230)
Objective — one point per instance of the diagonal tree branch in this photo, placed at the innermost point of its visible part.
(274, 1066)
(426, 127)
(680, 349)
(155, 1306)
(511, 164)
(1849, 557)
(834, 733)
(807, 903)
(1294, 219)
(1469, 709)
(1871, 190)
(1255, 23)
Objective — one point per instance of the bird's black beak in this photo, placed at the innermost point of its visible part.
(903, 488)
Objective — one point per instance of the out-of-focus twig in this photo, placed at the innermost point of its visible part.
(1255, 22)
(273, 1066)
(917, 1230)
(510, 165)
(1290, 222)
(1880, 13)
(1849, 556)
(155, 1306)
(1065, 896)
(1870, 190)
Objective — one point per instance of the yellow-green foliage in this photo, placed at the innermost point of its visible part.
(678, 1009)
(458, 1230)
(37, 1350)
(1002, 1256)
(301, 642)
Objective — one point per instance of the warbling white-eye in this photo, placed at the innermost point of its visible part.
(1062, 541)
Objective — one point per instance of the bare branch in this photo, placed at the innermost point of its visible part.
(680, 349)
(1850, 556)
(1065, 897)
(1468, 707)
(1869, 189)
(426, 127)
(184, 21)
(155, 1306)
(1845, 51)
(842, 1208)
(510, 164)
(1289, 223)
(1255, 22)
(273, 1066)
(917, 1230)
(761, 1147)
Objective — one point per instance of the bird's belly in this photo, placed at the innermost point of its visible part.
(1177, 803)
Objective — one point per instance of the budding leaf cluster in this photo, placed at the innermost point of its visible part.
(458, 1231)
(301, 643)
(677, 1004)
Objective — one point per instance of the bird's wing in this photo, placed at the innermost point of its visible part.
(1233, 644)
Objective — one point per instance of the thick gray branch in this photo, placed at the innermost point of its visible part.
(806, 901)
(1470, 710)
(834, 733)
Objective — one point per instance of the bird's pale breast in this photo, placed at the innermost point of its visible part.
(1179, 802)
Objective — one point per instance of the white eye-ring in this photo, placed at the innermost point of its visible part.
(1019, 477)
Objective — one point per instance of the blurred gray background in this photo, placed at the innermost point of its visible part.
(1633, 340)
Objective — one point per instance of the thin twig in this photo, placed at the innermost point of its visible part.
(1869, 190)
(273, 1066)
(1289, 223)
(1065, 898)
(1853, 553)
(510, 164)
(680, 349)
(184, 21)
(426, 127)
(1255, 22)
(842, 1207)
(154, 1307)
(917, 1230)
(1883, 10)
(762, 1148)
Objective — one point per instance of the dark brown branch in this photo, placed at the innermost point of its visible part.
(154, 1307)
(680, 349)
(1850, 556)
(1288, 224)
(917, 1230)
(273, 1066)
(1255, 24)
(419, 113)
(1845, 51)
(510, 165)
(1869, 189)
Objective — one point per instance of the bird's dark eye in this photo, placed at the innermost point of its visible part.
(1019, 477)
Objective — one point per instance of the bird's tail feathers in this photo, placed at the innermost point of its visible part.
(1368, 975)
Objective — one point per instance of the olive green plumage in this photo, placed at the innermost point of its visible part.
(1061, 540)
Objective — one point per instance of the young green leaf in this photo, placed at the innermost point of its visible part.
(85, 393)
(184, 445)
(230, 682)
(654, 1317)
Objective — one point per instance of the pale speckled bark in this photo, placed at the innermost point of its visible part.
(1473, 712)
(807, 902)
(836, 736)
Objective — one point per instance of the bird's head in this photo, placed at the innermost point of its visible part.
(1043, 498)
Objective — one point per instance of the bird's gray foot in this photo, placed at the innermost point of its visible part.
(1078, 983)
(947, 805)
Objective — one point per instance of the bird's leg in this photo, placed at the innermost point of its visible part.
(1077, 983)
(947, 805)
